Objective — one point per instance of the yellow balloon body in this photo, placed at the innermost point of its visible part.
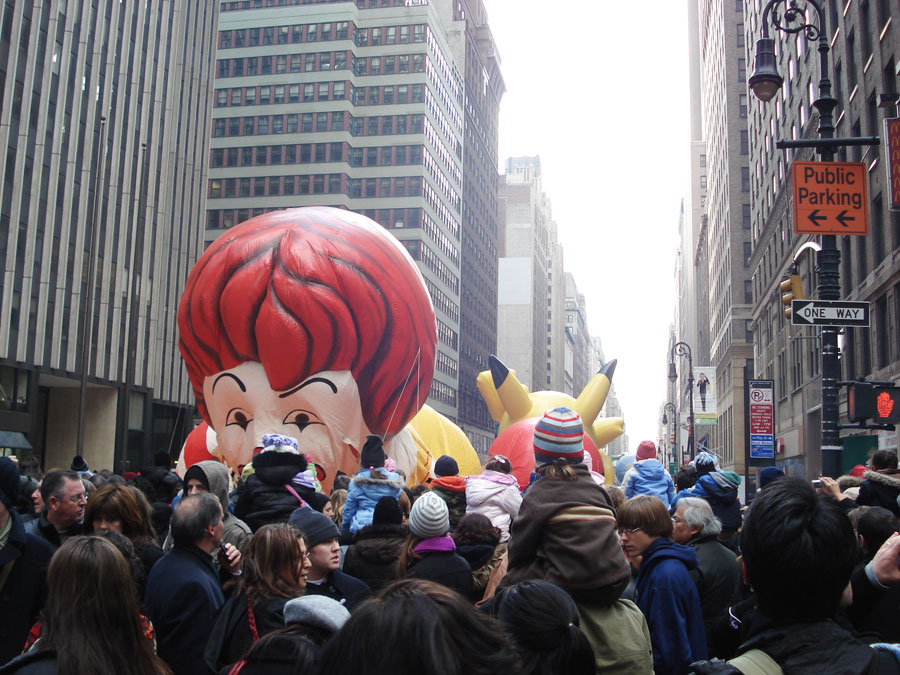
(435, 435)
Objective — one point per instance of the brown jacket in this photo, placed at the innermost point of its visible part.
(565, 533)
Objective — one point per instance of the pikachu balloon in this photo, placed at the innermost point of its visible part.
(517, 410)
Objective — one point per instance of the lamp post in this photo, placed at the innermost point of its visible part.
(765, 84)
(670, 407)
(682, 348)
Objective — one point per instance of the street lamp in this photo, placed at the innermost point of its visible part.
(665, 420)
(682, 348)
(764, 83)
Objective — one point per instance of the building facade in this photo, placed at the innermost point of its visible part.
(358, 106)
(104, 124)
(865, 48)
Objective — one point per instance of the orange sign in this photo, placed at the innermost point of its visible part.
(892, 129)
(830, 198)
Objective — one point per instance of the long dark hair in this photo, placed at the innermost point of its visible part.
(92, 616)
(408, 555)
(543, 621)
(274, 549)
(282, 649)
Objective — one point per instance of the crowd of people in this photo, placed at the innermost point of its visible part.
(265, 573)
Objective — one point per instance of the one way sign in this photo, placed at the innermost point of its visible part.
(829, 313)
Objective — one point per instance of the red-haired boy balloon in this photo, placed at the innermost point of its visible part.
(314, 323)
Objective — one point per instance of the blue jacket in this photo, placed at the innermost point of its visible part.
(648, 477)
(183, 598)
(364, 493)
(722, 496)
(668, 598)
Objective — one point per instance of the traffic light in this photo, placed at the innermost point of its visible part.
(887, 405)
(860, 401)
(791, 289)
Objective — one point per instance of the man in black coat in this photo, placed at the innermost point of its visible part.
(325, 558)
(718, 573)
(24, 560)
(184, 593)
(64, 502)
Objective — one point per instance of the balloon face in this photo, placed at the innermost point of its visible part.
(322, 412)
(516, 443)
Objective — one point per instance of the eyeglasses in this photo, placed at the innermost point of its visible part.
(77, 499)
(629, 530)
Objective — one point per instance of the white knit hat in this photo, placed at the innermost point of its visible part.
(429, 516)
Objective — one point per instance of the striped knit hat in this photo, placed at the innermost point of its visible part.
(429, 516)
(559, 434)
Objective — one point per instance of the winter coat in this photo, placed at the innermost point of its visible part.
(812, 649)
(452, 489)
(237, 533)
(565, 533)
(362, 496)
(374, 555)
(880, 489)
(721, 494)
(649, 477)
(482, 558)
(231, 635)
(183, 598)
(34, 662)
(619, 636)
(264, 498)
(718, 577)
(875, 613)
(669, 600)
(340, 586)
(495, 495)
(441, 564)
(22, 596)
(42, 528)
(166, 483)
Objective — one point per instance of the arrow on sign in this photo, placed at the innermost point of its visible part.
(814, 217)
(843, 218)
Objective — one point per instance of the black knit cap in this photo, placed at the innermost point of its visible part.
(387, 512)
(373, 452)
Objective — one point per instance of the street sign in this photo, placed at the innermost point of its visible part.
(761, 394)
(829, 313)
(830, 198)
(892, 133)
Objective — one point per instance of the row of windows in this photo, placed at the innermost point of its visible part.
(388, 65)
(388, 94)
(383, 125)
(442, 181)
(420, 251)
(444, 126)
(274, 186)
(282, 35)
(442, 301)
(442, 393)
(282, 93)
(238, 5)
(447, 335)
(446, 365)
(444, 214)
(308, 153)
(385, 188)
(310, 62)
(389, 35)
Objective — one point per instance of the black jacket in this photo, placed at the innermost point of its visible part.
(340, 586)
(264, 498)
(25, 590)
(374, 554)
(183, 599)
(35, 662)
(166, 483)
(717, 576)
(231, 636)
(446, 568)
(41, 527)
(875, 613)
(880, 489)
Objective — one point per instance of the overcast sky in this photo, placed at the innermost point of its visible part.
(599, 89)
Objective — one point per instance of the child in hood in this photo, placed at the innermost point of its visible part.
(648, 476)
(495, 494)
(372, 483)
(451, 487)
(268, 496)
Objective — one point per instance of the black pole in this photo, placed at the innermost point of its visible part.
(682, 348)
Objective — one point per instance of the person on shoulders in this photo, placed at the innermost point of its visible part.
(495, 493)
(648, 476)
(451, 487)
(370, 484)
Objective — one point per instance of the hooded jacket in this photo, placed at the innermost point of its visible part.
(264, 498)
(721, 494)
(452, 489)
(494, 495)
(717, 576)
(364, 493)
(374, 554)
(565, 533)
(25, 590)
(166, 483)
(649, 477)
(880, 489)
(669, 600)
(237, 533)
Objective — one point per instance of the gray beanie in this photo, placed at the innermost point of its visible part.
(429, 516)
(318, 611)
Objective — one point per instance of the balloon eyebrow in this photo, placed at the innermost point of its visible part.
(233, 377)
(309, 381)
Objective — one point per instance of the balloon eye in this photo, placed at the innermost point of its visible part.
(301, 418)
(238, 418)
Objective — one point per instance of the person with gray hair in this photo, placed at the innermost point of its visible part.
(184, 593)
(718, 574)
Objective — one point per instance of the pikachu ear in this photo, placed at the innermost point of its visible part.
(513, 394)
(485, 384)
(593, 396)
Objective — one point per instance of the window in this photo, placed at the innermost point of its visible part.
(745, 144)
(703, 161)
(745, 220)
(745, 178)
(703, 182)
(742, 106)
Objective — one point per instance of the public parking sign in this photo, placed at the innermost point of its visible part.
(830, 198)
